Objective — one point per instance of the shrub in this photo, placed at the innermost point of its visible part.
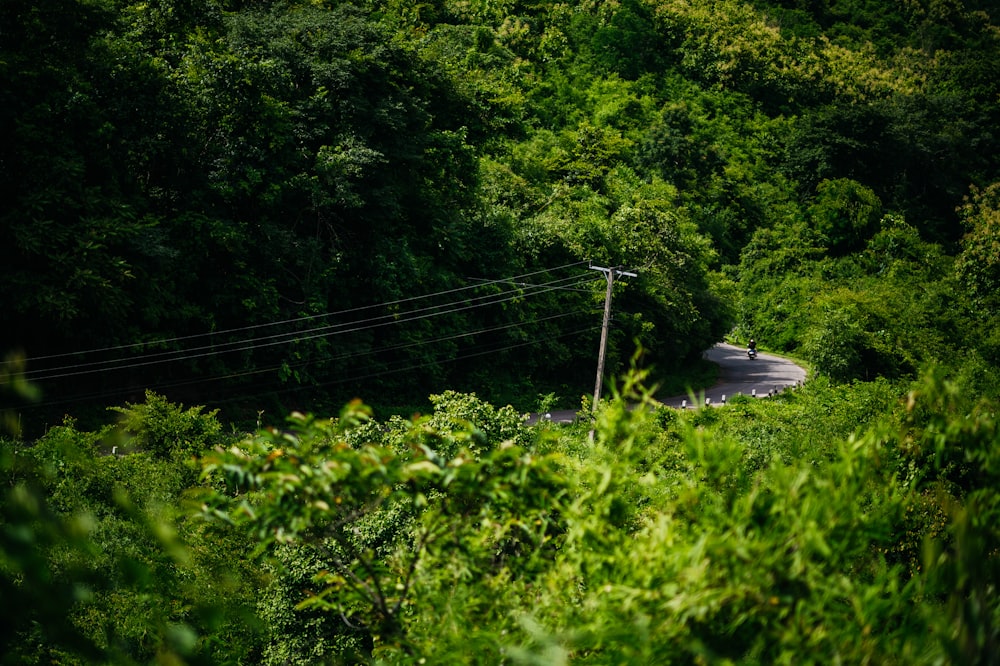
(169, 431)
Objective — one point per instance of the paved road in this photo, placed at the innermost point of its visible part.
(765, 375)
(762, 377)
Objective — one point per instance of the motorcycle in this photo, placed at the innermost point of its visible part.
(752, 353)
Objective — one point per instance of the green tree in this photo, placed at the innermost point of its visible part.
(168, 431)
(107, 565)
(67, 222)
(845, 213)
(978, 264)
(310, 488)
(978, 267)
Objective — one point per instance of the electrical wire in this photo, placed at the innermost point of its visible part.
(390, 319)
(220, 347)
(215, 347)
(417, 366)
(342, 380)
(163, 341)
(461, 357)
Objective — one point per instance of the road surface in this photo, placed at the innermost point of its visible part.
(763, 376)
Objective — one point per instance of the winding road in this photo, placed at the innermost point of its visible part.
(762, 377)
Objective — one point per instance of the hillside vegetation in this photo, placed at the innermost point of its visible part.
(292, 204)
(224, 220)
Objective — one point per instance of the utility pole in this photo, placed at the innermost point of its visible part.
(609, 274)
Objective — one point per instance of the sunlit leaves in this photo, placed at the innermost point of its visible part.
(780, 529)
(730, 43)
(979, 263)
(309, 486)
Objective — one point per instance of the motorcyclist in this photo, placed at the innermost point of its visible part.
(752, 348)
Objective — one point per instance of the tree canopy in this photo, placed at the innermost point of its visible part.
(250, 199)
(281, 278)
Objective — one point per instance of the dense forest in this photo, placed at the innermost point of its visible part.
(225, 220)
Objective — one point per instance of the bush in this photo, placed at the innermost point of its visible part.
(834, 345)
(167, 430)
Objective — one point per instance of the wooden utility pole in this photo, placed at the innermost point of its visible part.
(610, 274)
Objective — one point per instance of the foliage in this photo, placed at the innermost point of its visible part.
(845, 214)
(962, 436)
(884, 311)
(372, 515)
(459, 412)
(978, 265)
(300, 634)
(263, 206)
(765, 530)
(14, 386)
(247, 181)
(679, 536)
(168, 431)
(105, 564)
(38, 593)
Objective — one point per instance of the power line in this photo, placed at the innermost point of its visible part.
(343, 380)
(50, 373)
(417, 366)
(390, 319)
(164, 341)
(461, 357)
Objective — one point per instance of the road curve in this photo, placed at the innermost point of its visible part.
(763, 376)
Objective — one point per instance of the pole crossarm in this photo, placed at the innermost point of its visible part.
(616, 270)
(609, 274)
